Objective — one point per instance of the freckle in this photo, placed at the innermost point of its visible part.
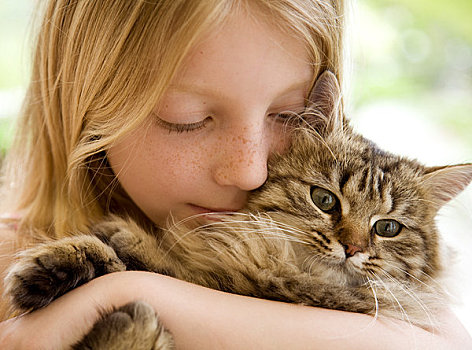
(201, 52)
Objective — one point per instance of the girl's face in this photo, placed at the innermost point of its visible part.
(214, 129)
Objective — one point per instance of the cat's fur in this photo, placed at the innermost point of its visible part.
(284, 246)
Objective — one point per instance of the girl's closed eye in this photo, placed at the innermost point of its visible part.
(182, 111)
(281, 117)
(182, 127)
(287, 114)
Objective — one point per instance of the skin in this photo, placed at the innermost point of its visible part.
(243, 81)
(236, 83)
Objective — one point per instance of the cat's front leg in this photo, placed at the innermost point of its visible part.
(396, 301)
(137, 248)
(49, 270)
(302, 288)
(134, 326)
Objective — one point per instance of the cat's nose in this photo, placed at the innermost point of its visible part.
(351, 249)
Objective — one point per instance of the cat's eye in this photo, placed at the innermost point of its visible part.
(323, 199)
(387, 228)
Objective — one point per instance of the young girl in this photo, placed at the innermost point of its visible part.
(164, 109)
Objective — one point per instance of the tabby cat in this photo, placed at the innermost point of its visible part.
(338, 224)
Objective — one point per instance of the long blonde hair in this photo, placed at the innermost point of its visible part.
(99, 68)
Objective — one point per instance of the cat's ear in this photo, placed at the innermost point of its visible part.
(445, 183)
(324, 108)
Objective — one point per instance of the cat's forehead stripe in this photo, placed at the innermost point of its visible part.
(363, 182)
(344, 179)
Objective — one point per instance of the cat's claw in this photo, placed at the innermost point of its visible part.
(51, 269)
(134, 326)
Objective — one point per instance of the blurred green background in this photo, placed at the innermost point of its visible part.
(417, 53)
(409, 88)
(414, 52)
(15, 16)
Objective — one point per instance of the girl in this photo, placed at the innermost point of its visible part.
(164, 109)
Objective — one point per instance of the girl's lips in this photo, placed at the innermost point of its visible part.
(203, 210)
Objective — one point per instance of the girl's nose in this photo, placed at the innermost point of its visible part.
(242, 160)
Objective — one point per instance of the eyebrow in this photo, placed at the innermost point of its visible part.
(209, 92)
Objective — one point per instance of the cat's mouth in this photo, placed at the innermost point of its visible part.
(335, 265)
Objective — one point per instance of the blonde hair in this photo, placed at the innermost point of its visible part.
(99, 68)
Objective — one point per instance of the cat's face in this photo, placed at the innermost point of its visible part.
(357, 213)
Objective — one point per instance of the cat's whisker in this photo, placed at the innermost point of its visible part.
(172, 223)
(238, 230)
(308, 128)
(374, 293)
(438, 285)
(306, 263)
(265, 218)
(413, 296)
(317, 258)
(291, 229)
(379, 281)
(314, 260)
(428, 201)
(283, 235)
(264, 227)
(309, 261)
(178, 239)
(417, 299)
(274, 237)
(244, 233)
(431, 279)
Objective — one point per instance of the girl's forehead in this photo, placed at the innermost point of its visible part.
(251, 32)
(244, 49)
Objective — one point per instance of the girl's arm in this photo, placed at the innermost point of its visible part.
(201, 318)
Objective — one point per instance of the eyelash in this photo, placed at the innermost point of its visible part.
(285, 116)
(180, 128)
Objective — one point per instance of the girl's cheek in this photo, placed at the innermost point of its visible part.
(183, 156)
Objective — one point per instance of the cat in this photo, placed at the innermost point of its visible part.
(339, 224)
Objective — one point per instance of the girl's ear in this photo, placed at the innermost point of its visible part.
(445, 183)
(324, 110)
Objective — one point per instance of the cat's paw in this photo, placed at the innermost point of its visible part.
(51, 269)
(134, 326)
(137, 248)
(114, 225)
